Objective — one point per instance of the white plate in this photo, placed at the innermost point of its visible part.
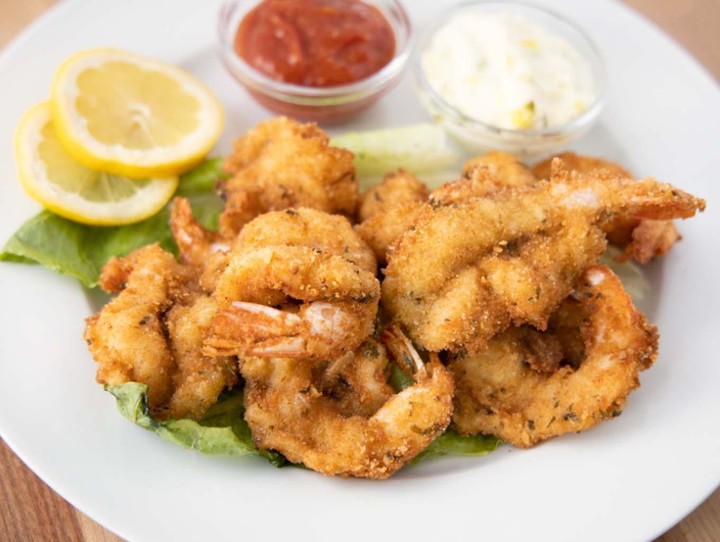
(629, 479)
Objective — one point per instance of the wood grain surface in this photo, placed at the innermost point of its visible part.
(31, 511)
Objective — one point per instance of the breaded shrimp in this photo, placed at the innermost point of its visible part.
(199, 248)
(126, 337)
(291, 408)
(389, 209)
(289, 301)
(529, 386)
(580, 163)
(297, 283)
(468, 270)
(152, 333)
(197, 379)
(650, 239)
(653, 238)
(310, 228)
(396, 188)
(483, 176)
(281, 164)
(504, 169)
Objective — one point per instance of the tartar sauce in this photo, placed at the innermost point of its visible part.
(503, 70)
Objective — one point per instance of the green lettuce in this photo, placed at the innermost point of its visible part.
(222, 431)
(450, 443)
(80, 251)
(422, 149)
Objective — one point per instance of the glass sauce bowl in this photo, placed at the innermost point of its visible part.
(478, 136)
(333, 103)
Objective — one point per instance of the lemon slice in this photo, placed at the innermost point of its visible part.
(53, 178)
(120, 112)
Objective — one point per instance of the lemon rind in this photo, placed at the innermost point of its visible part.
(158, 162)
(126, 211)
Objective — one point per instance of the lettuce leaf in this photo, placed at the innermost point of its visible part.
(450, 443)
(422, 149)
(80, 251)
(222, 431)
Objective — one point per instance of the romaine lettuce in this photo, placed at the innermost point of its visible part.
(223, 430)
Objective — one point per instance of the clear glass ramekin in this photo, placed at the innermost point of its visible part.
(316, 103)
(478, 136)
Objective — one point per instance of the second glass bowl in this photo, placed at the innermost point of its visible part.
(478, 136)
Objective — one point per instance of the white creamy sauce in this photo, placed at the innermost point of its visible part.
(503, 70)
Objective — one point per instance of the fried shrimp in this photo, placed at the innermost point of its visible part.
(292, 302)
(396, 188)
(642, 240)
(199, 248)
(295, 409)
(650, 239)
(470, 269)
(281, 164)
(152, 333)
(309, 228)
(504, 171)
(389, 209)
(529, 386)
(580, 163)
(197, 378)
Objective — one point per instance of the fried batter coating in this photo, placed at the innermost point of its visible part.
(281, 164)
(298, 283)
(396, 188)
(326, 305)
(296, 409)
(652, 241)
(383, 229)
(580, 163)
(198, 380)
(470, 269)
(483, 176)
(203, 250)
(152, 333)
(308, 228)
(529, 386)
(389, 209)
(505, 171)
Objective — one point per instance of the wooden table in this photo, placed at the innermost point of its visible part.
(31, 511)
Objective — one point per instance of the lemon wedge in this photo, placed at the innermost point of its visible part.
(126, 114)
(54, 179)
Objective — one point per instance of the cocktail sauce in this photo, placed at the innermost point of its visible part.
(315, 43)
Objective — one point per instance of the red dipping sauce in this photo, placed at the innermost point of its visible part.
(315, 43)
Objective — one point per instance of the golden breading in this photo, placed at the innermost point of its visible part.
(153, 332)
(468, 270)
(317, 419)
(297, 283)
(308, 228)
(281, 164)
(581, 164)
(292, 302)
(197, 379)
(396, 189)
(528, 386)
(505, 171)
(651, 241)
(388, 210)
